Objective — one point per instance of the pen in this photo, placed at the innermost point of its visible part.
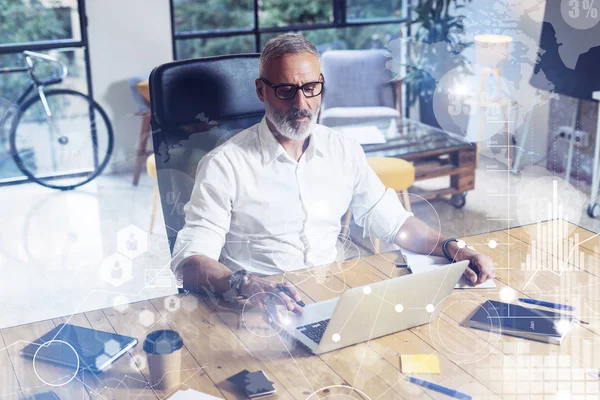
(439, 388)
(547, 304)
(285, 290)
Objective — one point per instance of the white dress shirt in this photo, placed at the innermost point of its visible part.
(253, 207)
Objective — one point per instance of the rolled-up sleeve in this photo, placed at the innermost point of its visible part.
(208, 212)
(376, 209)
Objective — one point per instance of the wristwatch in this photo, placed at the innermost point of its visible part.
(445, 248)
(237, 279)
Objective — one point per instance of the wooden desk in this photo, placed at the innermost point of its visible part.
(476, 362)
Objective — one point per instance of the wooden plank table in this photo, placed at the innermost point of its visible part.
(220, 343)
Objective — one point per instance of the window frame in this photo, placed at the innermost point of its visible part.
(82, 43)
(339, 21)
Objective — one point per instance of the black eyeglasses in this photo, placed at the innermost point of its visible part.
(286, 91)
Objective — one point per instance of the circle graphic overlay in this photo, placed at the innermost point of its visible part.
(425, 211)
(254, 318)
(61, 347)
(580, 14)
(455, 307)
(473, 105)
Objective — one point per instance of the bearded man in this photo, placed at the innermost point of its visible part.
(271, 199)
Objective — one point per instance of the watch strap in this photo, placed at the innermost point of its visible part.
(445, 248)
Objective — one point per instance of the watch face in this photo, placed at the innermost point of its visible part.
(237, 279)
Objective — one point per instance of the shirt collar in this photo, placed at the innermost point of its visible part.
(271, 149)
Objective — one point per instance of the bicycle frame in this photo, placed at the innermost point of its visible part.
(35, 82)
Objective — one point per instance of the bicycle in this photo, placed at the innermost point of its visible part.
(59, 138)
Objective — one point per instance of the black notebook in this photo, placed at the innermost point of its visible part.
(255, 384)
(528, 323)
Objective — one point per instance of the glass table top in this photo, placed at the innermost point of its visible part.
(407, 136)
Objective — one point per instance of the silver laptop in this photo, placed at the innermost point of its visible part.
(375, 310)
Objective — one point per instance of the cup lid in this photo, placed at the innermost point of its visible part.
(163, 342)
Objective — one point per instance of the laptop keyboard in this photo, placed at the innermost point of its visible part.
(315, 330)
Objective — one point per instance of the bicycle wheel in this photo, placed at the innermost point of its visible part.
(67, 149)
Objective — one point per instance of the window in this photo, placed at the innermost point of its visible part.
(38, 21)
(204, 28)
(208, 15)
(214, 46)
(53, 27)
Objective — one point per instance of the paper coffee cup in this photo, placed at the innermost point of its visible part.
(163, 350)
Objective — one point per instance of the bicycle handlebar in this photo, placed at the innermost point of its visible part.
(33, 54)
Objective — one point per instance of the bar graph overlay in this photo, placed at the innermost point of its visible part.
(552, 248)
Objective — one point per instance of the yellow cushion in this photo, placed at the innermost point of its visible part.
(151, 166)
(395, 173)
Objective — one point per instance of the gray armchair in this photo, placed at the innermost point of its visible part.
(359, 88)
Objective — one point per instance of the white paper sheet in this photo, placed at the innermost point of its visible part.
(364, 134)
(418, 263)
(193, 395)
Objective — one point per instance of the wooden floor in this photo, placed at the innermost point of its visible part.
(219, 344)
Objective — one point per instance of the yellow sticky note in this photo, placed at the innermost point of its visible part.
(419, 364)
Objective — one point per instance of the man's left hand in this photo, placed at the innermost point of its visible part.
(480, 269)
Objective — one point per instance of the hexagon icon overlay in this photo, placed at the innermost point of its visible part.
(116, 270)
(132, 241)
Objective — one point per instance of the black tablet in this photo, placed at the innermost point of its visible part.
(78, 347)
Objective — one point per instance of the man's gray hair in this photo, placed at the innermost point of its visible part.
(288, 43)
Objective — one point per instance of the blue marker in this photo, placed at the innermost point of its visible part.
(547, 304)
(439, 388)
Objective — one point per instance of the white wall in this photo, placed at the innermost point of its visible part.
(127, 38)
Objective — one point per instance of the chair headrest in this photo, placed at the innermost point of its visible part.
(220, 87)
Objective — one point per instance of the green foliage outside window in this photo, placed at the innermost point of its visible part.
(371, 9)
(204, 15)
(294, 12)
(33, 21)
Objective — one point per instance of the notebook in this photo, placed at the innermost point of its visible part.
(255, 384)
(519, 321)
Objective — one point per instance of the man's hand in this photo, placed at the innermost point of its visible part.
(481, 267)
(263, 293)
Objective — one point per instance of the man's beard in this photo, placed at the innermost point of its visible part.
(288, 126)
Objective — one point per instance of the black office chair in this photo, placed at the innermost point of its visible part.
(197, 105)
